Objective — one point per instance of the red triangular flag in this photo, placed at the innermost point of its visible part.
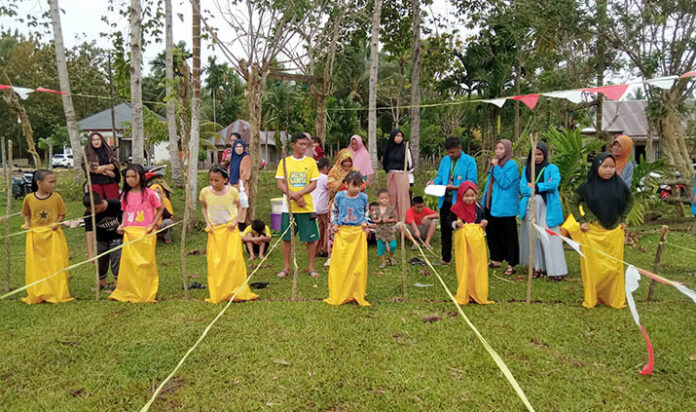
(529, 99)
(4, 86)
(613, 92)
(689, 74)
(41, 89)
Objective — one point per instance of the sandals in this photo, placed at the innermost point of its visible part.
(383, 265)
(392, 261)
(492, 266)
(282, 274)
(509, 271)
(314, 274)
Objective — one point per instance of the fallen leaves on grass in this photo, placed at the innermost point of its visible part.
(431, 318)
(173, 385)
(78, 392)
(539, 343)
(281, 362)
(196, 253)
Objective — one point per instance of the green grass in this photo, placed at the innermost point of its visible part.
(282, 355)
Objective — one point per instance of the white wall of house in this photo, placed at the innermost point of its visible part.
(161, 152)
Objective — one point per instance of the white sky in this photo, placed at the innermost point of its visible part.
(82, 21)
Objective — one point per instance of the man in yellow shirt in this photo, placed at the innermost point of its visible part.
(302, 176)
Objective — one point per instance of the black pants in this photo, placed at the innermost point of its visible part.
(501, 234)
(446, 229)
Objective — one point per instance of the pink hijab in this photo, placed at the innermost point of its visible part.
(361, 157)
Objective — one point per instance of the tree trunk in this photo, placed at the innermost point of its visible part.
(650, 143)
(372, 102)
(171, 104)
(320, 121)
(255, 91)
(195, 107)
(137, 128)
(601, 64)
(64, 80)
(415, 85)
(672, 136)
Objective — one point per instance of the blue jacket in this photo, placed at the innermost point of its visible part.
(465, 170)
(506, 190)
(549, 185)
(693, 206)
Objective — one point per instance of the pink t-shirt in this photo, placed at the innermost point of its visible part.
(140, 208)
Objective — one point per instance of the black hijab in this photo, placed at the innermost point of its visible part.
(606, 198)
(394, 153)
(537, 168)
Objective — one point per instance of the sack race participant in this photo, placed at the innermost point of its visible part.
(605, 200)
(227, 271)
(46, 248)
(138, 278)
(348, 270)
(470, 256)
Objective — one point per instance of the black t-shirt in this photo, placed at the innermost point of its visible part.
(107, 221)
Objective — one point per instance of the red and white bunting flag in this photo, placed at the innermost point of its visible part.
(23, 92)
(574, 96)
(497, 102)
(41, 89)
(664, 83)
(529, 99)
(632, 280)
(613, 92)
(4, 87)
(689, 74)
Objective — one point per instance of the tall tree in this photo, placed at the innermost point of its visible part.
(138, 142)
(171, 104)
(415, 83)
(374, 66)
(195, 107)
(64, 79)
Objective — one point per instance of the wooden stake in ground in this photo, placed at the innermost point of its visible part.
(8, 211)
(403, 227)
(532, 220)
(94, 218)
(656, 263)
(292, 226)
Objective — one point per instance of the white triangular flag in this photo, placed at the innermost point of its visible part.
(497, 102)
(574, 96)
(23, 92)
(542, 234)
(632, 280)
(664, 83)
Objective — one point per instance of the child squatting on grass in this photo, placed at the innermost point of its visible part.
(227, 270)
(138, 276)
(348, 270)
(257, 238)
(384, 217)
(46, 247)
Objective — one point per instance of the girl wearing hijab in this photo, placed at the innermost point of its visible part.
(395, 155)
(501, 204)
(549, 258)
(103, 167)
(621, 150)
(470, 257)
(605, 201)
(361, 158)
(239, 169)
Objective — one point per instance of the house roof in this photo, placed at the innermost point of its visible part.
(625, 117)
(102, 120)
(244, 129)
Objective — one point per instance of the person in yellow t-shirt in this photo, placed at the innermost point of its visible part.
(256, 237)
(46, 248)
(302, 176)
(219, 201)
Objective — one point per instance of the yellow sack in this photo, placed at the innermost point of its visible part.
(46, 254)
(227, 269)
(602, 278)
(138, 278)
(348, 270)
(471, 263)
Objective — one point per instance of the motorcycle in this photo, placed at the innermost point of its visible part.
(21, 185)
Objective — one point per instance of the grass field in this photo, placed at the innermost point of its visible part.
(274, 354)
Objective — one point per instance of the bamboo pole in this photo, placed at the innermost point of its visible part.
(532, 220)
(292, 223)
(656, 263)
(94, 220)
(187, 217)
(8, 211)
(403, 227)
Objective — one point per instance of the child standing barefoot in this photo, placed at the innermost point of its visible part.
(348, 270)
(46, 248)
(138, 278)
(606, 201)
(470, 255)
(384, 216)
(227, 270)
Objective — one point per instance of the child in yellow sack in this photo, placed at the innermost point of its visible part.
(470, 256)
(227, 272)
(138, 278)
(348, 269)
(46, 248)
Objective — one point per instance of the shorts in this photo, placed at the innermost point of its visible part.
(381, 246)
(308, 228)
(257, 248)
(422, 229)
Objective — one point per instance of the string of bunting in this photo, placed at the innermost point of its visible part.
(611, 92)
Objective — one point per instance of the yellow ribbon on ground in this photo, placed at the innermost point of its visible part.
(138, 278)
(496, 358)
(227, 271)
(46, 253)
(471, 263)
(348, 270)
(602, 279)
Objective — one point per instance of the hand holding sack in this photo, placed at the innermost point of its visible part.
(227, 270)
(138, 278)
